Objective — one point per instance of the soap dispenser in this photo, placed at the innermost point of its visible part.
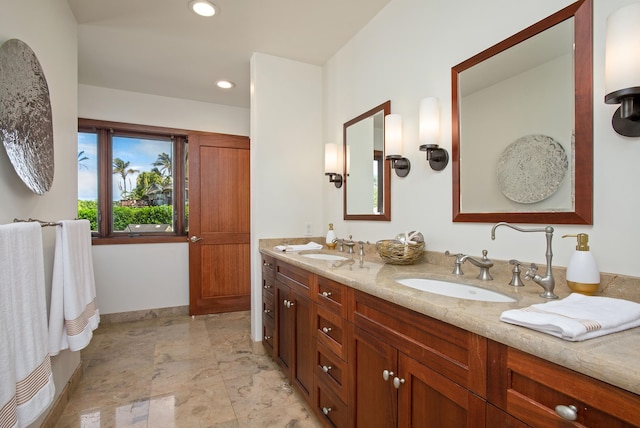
(583, 275)
(331, 236)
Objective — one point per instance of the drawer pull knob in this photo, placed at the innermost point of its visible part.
(267, 287)
(288, 303)
(266, 311)
(397, 382)
(326, 293)
(326, 368)
(386, 374)
(326, 330)
(326, 410)
(267, 337)
(569, 413)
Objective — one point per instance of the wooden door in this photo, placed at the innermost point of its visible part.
(302, 372)
(428, 399)
(374, 399)
(284, 327)
(219, 224)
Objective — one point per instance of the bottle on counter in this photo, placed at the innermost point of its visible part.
(583, 275)
(331, 236)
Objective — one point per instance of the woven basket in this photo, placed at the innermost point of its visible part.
(397, 253)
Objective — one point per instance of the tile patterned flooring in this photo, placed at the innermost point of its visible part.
(182, 372)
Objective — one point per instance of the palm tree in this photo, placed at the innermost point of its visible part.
(82, 158)
(163, 163)
(121, 167)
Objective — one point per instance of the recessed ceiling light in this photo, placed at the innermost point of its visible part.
(203, 7)
(225, 84)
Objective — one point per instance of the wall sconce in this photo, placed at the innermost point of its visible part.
(331, 164)
(622, 69)
(430, 134)
(393, 145)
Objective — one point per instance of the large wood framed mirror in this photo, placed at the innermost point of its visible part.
(367, 175)
(522, 125)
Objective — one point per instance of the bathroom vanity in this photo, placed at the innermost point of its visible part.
(365, 350)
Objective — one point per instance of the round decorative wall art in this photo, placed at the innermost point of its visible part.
(531, 169)
(25, 116)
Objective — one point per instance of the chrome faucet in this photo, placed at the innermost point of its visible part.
(484, 264)
(547, 282)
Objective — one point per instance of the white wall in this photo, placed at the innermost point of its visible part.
(49, 28)
(405, 54)
(134, 277)
(287, 155)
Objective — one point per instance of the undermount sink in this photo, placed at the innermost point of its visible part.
(452, 289)
(322, 256)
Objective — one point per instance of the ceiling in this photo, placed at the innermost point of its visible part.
(160, 47)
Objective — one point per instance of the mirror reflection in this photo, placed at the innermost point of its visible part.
(366, 185)
(522, 122)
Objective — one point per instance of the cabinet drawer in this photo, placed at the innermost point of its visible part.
(330, 331)
(330, 409)
(268, 305)
(267, 334)
(268, 266)
(296, 278)
(530, 388)
(332, 371)
(331, 295)
(451, 351)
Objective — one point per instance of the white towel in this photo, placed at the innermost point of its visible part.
(74, 313)
(26, 383)
(577, 317)
(303, 247)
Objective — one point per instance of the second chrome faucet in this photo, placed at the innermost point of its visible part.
(547, 282)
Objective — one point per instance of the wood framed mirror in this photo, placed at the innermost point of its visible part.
(367, 175)
(522, 125)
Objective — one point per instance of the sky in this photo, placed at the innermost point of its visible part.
(140, 153)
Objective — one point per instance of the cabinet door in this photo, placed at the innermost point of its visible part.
(284, 327)
(302, 369)
(428, 399)
(374, 399)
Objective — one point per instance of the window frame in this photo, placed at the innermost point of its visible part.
(104, 130)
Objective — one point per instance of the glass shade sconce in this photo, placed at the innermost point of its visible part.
(622, 69)
(331, 164)
(393, 145)
(430, 134)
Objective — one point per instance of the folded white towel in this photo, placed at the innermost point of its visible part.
(303, 247)
(74, 313)
(26, 383)
(577, 317)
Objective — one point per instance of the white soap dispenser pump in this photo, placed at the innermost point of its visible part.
(583, 275)
(331, 236)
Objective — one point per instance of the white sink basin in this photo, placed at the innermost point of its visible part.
(322, 256)
(452, 289)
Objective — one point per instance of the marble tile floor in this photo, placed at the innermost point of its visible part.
(182, 372)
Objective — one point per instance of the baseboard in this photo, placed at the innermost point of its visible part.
(57, 409)
(145, 314)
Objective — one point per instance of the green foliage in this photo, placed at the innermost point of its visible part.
(124, 216)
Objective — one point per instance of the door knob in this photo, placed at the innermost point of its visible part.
(386, 374)
(195, 238)
(397, 382)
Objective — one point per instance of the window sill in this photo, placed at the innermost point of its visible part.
(119, 240)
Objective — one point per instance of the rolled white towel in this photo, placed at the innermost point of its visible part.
(309, 246)
(577, 317)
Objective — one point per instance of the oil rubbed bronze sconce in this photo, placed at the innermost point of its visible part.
(331, 164)
(430, 134)
(393, 145)
(622, 69)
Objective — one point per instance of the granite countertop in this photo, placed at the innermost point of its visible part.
(614, 358)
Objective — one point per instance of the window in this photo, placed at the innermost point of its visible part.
(132, 182)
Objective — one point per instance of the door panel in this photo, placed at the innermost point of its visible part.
(219, 224)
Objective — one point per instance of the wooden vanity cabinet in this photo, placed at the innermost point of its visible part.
(412, 370)
(529, 389)
(294, 339)
(268, 303)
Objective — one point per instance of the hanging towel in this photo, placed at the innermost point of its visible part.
(26, 383)
(74, 313)
(577, 317)
(308, 246)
